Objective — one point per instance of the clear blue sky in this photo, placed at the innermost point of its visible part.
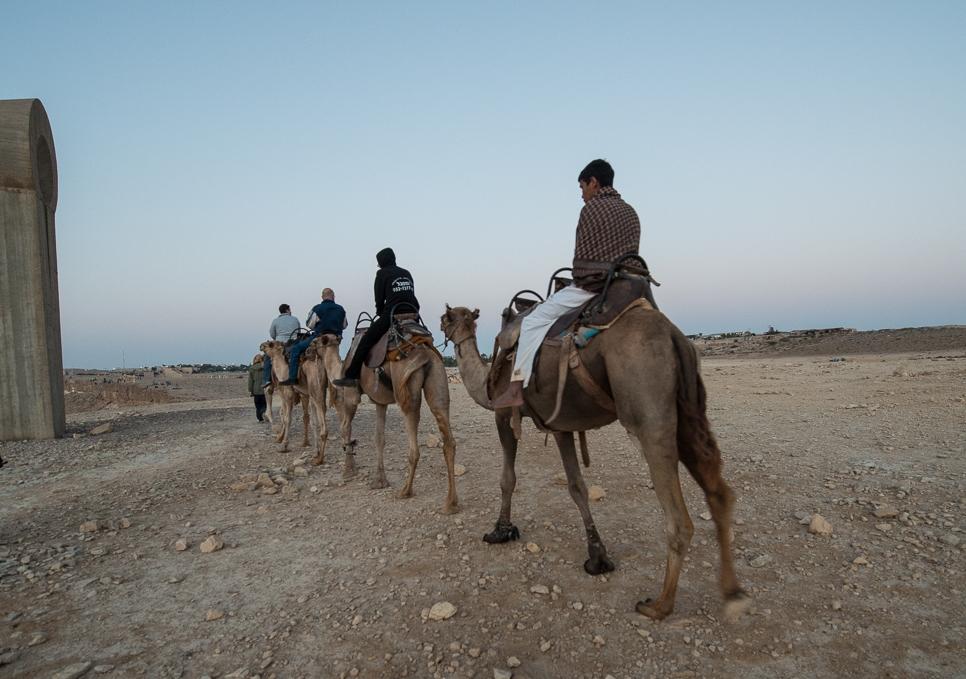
(794, 164)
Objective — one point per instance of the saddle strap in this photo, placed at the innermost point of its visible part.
(566, 346)
(588, 384)
(639, 302)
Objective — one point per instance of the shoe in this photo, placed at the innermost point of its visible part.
(346, 382)
(511, 398)
(288, 383)
(266, 385)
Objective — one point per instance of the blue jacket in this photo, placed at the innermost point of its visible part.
(326, 317)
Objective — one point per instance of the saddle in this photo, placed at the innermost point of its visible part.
(625, 289)
(406, 332)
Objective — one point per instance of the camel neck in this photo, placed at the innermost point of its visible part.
(473, 370)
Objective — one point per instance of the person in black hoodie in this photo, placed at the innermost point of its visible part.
(393, 287)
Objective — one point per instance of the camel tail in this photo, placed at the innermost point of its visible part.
(697, 446)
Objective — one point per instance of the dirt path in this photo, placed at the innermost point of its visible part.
(330, 579)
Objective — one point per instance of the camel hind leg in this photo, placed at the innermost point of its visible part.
(410, 399)
(380, 479)
(660, 452)
(306, 420)
(285, 421)
(437, 398)
(702, 458)
(322, 427)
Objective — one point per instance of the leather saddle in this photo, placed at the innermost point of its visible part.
(598, 312)
(625, 289)
(406, 332)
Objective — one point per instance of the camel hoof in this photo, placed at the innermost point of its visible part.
(376, 484)
(736, 605)
(649, 608)
(318, 461)
(598, 565)
(405, 494)
(502, 532)
(451, 509)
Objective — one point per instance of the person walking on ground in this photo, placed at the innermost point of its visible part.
(393, 287)
(608, 228)
(326, 318)
(255, 389)
(284, 328)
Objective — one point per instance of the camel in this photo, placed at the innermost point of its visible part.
(420, 373)
(318, 362)
(651, 372)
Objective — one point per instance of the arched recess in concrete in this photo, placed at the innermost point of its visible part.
(31, 363)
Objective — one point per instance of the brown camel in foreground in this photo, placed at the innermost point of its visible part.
(419, 373)
(319, 361)
(650, 370)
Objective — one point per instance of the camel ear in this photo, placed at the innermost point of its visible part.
(448, 308)
(476, 313)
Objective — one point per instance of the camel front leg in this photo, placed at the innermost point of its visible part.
(269, 392)
(504, 531)
(380, 479)
(598, 562)
(346, 411)
(439, 406)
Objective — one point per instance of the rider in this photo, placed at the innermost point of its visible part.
(393, 288)
(608, 228)
(284, 328)
(326, 318)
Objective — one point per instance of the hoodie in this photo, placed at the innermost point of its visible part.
(394, 286)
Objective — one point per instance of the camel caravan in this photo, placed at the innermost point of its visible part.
(594, 350)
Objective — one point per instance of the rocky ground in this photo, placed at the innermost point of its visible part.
(181, 543)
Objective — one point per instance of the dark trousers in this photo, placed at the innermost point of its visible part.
(260, 406)
(379, 327)
(267, 371)
(295, 353)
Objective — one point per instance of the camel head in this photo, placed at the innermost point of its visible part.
(272, 348)
(458, 324)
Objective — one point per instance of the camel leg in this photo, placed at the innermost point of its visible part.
(268, 405)
(439, 405)
(380, 480)
(412, 432)
(504, 531)
(660, 451)
(597, 562)
(322, 428)
(285, 423)
(706, 470)
(306, 421)
(346, 414)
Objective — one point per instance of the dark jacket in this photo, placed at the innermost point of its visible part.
(255, 379)
(394, 286)
(326, 317)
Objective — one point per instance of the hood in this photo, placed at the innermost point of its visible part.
(385, 257)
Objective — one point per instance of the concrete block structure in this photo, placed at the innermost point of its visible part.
(31, 363)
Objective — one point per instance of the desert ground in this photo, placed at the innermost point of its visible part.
(321, 577)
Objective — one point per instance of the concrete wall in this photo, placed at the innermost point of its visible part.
(31, 363)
